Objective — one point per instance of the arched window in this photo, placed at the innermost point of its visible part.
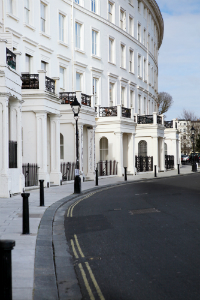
(61, 146)
(165, 149)
(142, 148)
(103, 149)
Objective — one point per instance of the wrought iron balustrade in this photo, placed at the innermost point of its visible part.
(12, 154)
(168, 124)
(147, 119)
(126, 112)
(107, 167)
(67, 97)
(144, 163)
(11, 59)
(50, 84)
(159, 120)
(30, 81)
(67, 170)
(85, 99)
(108, 111)
(135, 119)
(30, 172)
(169, 162)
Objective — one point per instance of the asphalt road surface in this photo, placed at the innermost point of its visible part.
(138, 241)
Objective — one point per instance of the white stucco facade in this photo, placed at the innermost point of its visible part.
(106, 50)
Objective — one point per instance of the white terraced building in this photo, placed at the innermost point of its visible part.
(103, 52)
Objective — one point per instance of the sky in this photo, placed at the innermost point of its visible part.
(179, 55)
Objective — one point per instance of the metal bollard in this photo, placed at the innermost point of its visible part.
(25, 218)
(178, 168)
(155, 173)
(96, 177)
(41, 192)
(6, 247)
(125, 173)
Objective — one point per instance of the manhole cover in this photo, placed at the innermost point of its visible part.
(143, 211)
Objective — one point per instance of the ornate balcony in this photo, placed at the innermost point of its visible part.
(108, 111)
(50, 84)
(10, 59)
(168, 124)
(126, 112)
(30, 81)
(159, 120)
(86, 100)
(67, 97)
(148, 119)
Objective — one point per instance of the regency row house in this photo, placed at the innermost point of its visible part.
(103, 52)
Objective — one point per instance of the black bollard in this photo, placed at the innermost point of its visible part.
(96, 176)
(41, 192)
(6, 247)
(25, 219)
(178, 168)
(125, 173)
(155, 173)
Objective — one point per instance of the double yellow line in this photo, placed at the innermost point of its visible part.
(71, 208)
(88, 288)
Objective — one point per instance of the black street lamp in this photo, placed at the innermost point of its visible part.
(194, 165)
(75, 105)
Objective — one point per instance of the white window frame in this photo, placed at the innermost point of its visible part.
(95, 42)
(112, 101)
(123, 56)
(139, 32)
(122, 18)
(149, 74)
(62, 147)
(111, 11)
(64, 72)
(43, 18)
(139, 104)
(61, 27)
(111, 50)
(139, 66)
(131, 60)
(145, 70)
(81, 40)
(81, 81)
(95, 89)
(29, 57)
(144, 37)
(145, 105)
(123, 95)
(139, 7)
(131, 25)
(94, 6)
(27, 11)
(132, 98)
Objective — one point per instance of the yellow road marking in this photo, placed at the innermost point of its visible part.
(86, 282)
(78, 246)
(74, 250)
(94, 281)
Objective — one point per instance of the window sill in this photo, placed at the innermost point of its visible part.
(145, 81)
(96, 56)
(139, 77)
(111, 63)
(79, 50)
(149, 84)
(29, 26)
(131, 73)
(131, 4)
(123, 68)
(45, 35)
(12, 16)
(63, 44)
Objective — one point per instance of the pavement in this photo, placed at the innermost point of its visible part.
(25, 250)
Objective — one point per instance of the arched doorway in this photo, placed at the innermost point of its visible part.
(103, 148)
(142, 148)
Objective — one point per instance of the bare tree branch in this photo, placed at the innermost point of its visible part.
(188, 115)
(165, 101)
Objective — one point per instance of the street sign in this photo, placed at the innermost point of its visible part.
(76, 172)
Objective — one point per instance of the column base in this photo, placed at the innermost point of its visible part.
(55, 177)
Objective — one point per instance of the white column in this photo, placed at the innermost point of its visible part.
(18, 61)
(55, 175)
(3, 52)
(131, 153)
(57, 85)
(42, 147)
(155, 118)
(119, 152)
(42, 80)
(91, 153)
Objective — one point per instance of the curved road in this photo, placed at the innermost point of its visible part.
(138, 241)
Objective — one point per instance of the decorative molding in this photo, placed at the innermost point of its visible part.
(29, 26)
(123, 79)
(96, 70)
(113, 75)
(132, 83)
(45, 49)
(15, 33)
(12, 16)
(79, 64)
(60, 56)
(29, 41)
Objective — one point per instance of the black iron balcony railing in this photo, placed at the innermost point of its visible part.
(30, 81)
(107, 167)
(30, 172)
(148, 119)
(108, 111)
(85, 99)
(67, 97)
(126, 112)
(12, 154)
(50, 84)
(159, 120)
(10, 59)
(168, 124)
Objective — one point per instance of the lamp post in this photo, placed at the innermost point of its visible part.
(194, 165)
(75, 105)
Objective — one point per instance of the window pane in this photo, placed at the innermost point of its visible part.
(78, 81)
(27, 63)
(43, 65)
(61, 77)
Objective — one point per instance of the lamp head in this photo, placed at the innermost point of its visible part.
(192, 130)
(75, 105)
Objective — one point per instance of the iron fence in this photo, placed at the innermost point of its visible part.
(126, 112)
(144, 163)
(147, 119)
(12, 154)
(50, 84)
(108, 111)
(11, 59)
(168, 124)
(159, 120)
(67, 170)
(169, 162)
(85, 99)
(67, 97)
(106, 168)
(30, 172)
(30, 81)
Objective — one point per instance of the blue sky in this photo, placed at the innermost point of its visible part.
(179, 55)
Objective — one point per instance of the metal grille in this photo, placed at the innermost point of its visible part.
(168, 124)
(67, 97)
(106, 168)
(144, 163)
(30, 81)
(85, 100)
(108, 111)
(169, 162)
(159, 120)
(50, 85)
(67, 170)
(30, 172)
(12, 154)
(11, 59)
(126, 112)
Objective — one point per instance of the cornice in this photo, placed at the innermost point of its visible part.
(113, 75)
(79, 64)
(29, 41)
(60, 56)
(45, 49)
(15, 33)
(96, 70)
